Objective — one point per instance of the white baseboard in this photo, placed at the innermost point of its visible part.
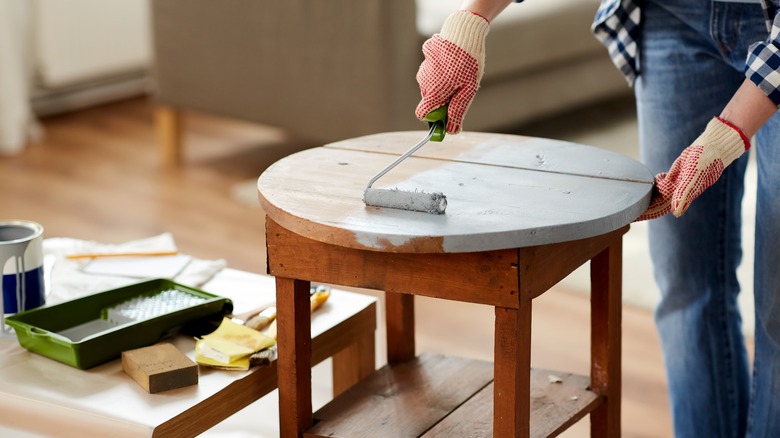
(47, 102)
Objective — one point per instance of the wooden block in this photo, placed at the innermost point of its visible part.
(160, 367)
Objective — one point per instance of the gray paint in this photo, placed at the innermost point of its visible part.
(503, 191)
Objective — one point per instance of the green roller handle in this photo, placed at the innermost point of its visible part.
(438, 120)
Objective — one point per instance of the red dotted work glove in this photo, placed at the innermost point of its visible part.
(696, 169)
(453, 66)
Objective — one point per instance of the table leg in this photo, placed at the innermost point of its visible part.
(294, 356)
(606, 300)
(512, 375)
(399, 317)
(354, 363)
(168, 121)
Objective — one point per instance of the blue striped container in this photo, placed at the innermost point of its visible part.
(21, 259)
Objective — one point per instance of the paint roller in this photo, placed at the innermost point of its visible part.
(433, 203)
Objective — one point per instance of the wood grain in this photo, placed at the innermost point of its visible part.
(541, 267)
(294, 355)
(160, 367)
(501, 150)
(318, 194)
(399, 317)
(403, 400)
(606, 335)
(512, 367)
(493, 273)
(411, 400)
(558, 400)
(354, 363)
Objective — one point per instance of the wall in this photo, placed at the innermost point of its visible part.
(87, 52)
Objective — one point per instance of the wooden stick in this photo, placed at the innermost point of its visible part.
(122, 254)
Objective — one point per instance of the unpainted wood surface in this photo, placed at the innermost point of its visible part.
(445, 396)
(354, 363)
(512, 356)
(486, 277)
(541, 267)
(558, 400)
(399, 317)
(160, 367)
(498, 275)
(606, 335)
(503, 191)
(403, 400)
(294, 355)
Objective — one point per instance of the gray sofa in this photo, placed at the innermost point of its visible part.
(328, 70)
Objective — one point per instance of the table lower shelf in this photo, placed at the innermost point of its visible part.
(441, 396)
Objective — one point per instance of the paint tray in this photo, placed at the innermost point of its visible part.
(94, 329)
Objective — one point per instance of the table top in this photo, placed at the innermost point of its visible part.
(104, 401)
(503, 191)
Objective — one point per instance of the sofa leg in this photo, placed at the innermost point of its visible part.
(168, 122)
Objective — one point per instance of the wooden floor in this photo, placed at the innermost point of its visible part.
(97, 175)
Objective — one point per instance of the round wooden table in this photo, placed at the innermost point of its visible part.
(522, 214)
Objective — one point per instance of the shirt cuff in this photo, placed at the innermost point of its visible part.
(763, 69)
(763, 63)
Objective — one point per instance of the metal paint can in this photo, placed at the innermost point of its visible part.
(21, 260)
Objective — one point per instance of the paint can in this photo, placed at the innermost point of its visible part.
(21, 261)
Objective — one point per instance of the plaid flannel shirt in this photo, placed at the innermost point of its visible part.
(617, 26)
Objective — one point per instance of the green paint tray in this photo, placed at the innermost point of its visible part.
(94, 329)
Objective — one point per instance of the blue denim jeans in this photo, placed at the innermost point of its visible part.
(692, 59)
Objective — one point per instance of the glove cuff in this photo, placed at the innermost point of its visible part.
(467, 30)
(729, 142)
(745, 139)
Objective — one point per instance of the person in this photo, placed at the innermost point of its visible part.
(706, 77)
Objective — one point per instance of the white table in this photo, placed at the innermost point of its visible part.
(42, 397)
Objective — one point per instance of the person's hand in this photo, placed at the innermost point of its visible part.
(696, 169)
(453, 66)
(661, 200)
